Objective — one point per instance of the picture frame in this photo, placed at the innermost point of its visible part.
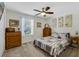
(68, 20)
(38, 24)
(13, 23)
(61, 21)
(54, 22)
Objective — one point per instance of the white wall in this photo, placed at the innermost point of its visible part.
(16, 15)
(59, 9)
(63, 9)
(2, 34)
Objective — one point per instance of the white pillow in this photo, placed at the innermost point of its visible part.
(63, 36)
(55, 35)
(47, 38)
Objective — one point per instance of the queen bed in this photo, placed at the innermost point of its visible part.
(52, 45)
(55, 44)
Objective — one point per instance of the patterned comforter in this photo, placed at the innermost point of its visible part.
(53, 46)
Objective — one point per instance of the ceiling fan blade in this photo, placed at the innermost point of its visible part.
(37, 10)
(47, 8)
(42, 9)
(38, 14)
(49, 12)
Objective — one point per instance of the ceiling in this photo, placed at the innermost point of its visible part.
(27, 7)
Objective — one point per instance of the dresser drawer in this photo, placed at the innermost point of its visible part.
(13, 34)
(13, 39)
(13, 44)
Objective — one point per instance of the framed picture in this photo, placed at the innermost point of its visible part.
(39, 24)
(54, 22)
(60, 21)
(68, 21)
(13, 23)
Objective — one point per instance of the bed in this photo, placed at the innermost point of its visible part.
(53, 46)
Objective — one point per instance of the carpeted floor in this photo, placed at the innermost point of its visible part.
(29, 50)
(70, 52)
(26, 50)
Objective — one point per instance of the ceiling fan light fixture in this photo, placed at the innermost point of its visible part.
(43, 13)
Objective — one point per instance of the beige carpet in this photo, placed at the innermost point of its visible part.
(70, 52)
(26, 50)
(29, 50)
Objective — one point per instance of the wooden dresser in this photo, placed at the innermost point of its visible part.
(12, 39)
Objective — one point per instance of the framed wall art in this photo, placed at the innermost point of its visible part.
(38, 24)
(13, 23)
(60, 21)
(54, 22)
(68, 21)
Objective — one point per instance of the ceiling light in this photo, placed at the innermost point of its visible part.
(43, 13)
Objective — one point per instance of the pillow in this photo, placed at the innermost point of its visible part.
(47, 38)
(55, 35)
(59, 37)
(63, 36)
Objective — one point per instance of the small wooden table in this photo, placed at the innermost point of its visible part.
(75, 41)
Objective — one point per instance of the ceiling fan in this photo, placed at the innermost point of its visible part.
(44, 11)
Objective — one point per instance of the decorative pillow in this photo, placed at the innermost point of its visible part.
(59, 37)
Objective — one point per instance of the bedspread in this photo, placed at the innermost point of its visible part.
(53, 46)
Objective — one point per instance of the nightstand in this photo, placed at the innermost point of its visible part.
(74, 41)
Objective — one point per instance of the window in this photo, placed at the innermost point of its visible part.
(32, 26)
(27, 26)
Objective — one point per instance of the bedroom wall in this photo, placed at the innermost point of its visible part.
(2, 34)
(17, 15)
(63, 9)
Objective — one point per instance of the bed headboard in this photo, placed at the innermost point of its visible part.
(47, 30)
